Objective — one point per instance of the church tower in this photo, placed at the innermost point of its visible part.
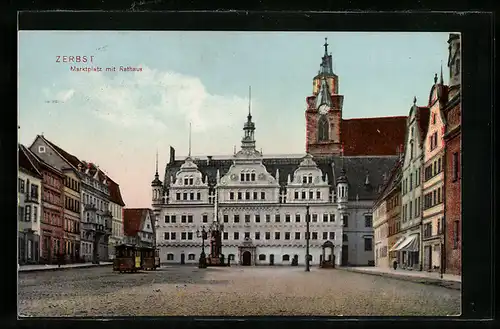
(324, 111)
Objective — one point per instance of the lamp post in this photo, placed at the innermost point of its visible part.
(307, 238)
(203, 235)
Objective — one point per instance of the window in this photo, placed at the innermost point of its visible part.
(268, 218)
(297, 218)
(166, 235)
(173, 236)
(191, 257)
(332, 235)
(184, 196)
(368, 220)
(318, 195)
(191, 196)
(198, 196)
(236, 218)
(262, 195)
(268, 235)
(296, 194)
(226, 235)
(345, 220)
(276, 235)
(439, 195)
(190, 218)
(183, 219)
(257, 235)
(456, 234)
(286, 258)
(239, 196)
(236, 235)
(183, 236)
(315, 217)
(368, 244)
(226, 218)
(297, 235)
(315, 235)
(35, 213)
(205, 218)
(303, 194)
(411, 181)
(252, 175)
(304, 179)
(247, 218)
(411, 149)
(247, 195)
(325, 217)
(27, 214)
(21, 185)
(257, 218)
(247, 235)
(277, 218)
(231, 195)
(262, 257)
(311, 195)
(287, 235)
(455, 167)
(247, 177)
(325, 235)
(170, 256)
(255, 195)
(287, 218)
(173, 218)
(410, 212)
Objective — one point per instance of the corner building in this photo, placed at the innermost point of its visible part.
(261, 200)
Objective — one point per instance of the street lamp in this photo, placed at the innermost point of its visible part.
(203, 235)
(307, 238)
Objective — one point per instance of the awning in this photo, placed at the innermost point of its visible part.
(401, 239)
(413, 244)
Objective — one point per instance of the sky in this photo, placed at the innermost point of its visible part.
(119, 120)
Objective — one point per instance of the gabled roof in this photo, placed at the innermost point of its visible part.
(373, 136)
(422, 116)
(73, 160)
(28, 162)
(393, 175)
(44, 165)
(114, 193)
(133, 220)
(357, 169)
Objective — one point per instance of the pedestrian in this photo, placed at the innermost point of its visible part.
(395, 264)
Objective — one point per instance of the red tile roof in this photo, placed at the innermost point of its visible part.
(133, 219)
(373, 136)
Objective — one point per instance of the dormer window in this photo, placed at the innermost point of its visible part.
(191, 181)
(242, 177)
(252, 175)
(247, 177)
(304, 179)
(310, 179)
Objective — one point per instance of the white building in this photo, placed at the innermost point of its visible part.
(29, 207)
(262, 203)
(410, 253)
(116, 205)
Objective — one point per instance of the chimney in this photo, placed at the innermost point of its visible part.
(172, 155)
(209, 159)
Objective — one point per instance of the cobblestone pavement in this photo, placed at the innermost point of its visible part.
(235, 291)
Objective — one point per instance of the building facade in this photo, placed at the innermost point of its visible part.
(409, 250)
(453, 155)
(29, 207)
(139, 227)
(433, 181)
(393, 206)
(72, 207)
(116, 205)
(380, 232)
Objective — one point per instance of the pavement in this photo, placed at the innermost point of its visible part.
(37, 268)
(448, 280)
(228, 291)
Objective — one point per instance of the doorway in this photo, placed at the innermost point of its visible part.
(345, 255)
(183, 259)
(271, 259)
(247, 258)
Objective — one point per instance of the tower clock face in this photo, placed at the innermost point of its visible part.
(323, 109)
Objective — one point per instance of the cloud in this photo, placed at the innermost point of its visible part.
(152, 99)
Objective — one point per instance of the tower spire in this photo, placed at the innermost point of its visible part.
(248, 141)
(189, 152)
(156, 162)
(441, 77)
(249, 103)
(326, 46)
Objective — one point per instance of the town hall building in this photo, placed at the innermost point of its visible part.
(262, 200)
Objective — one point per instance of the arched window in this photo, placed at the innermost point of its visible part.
(262, 257)
(286, 258)
(170, 257)
(323, 129)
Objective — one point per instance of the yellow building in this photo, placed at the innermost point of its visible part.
(433, 182)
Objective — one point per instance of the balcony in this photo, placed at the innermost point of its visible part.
(31, 198)
(107, 214)
(97, 228)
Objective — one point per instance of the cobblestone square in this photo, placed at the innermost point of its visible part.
(235, 291)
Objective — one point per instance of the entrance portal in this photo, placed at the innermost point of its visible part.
(247, 258)
(183, 259)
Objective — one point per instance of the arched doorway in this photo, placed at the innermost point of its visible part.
(247, 258)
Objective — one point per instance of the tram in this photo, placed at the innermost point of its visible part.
(148, 259)
(127, 258)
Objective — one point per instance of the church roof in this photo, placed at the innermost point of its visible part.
(356, 168)
(373, 136)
